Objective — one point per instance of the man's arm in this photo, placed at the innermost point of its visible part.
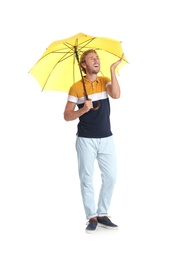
(113, 90)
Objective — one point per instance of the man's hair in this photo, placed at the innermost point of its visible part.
(82, 58)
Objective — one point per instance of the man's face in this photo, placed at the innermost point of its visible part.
(92, 63)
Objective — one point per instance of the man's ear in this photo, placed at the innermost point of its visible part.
(83, 65)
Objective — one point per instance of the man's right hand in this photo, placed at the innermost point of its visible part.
(88, 105)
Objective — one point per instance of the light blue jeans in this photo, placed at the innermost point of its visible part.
(102, 150)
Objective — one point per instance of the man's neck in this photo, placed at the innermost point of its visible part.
(91, 77)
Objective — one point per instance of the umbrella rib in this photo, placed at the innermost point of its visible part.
(60, 60)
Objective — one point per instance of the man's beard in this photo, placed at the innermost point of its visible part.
(93, 71)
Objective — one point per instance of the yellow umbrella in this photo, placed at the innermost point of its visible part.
(58, 68)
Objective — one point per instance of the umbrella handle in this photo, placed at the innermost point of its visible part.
(97, 107)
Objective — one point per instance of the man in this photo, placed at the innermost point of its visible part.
(94, 139)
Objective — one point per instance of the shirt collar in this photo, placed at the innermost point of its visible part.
(88, 81)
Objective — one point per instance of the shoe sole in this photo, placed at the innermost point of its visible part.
(90, 231)
(107, 227)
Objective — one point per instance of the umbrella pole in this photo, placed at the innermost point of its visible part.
(77, 57)
(85, 91)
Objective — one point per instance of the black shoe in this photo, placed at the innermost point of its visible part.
(92, 224)
(106, 223)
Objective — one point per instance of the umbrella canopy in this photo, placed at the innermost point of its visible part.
(58, 68)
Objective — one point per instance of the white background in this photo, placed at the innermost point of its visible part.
(42, 216)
